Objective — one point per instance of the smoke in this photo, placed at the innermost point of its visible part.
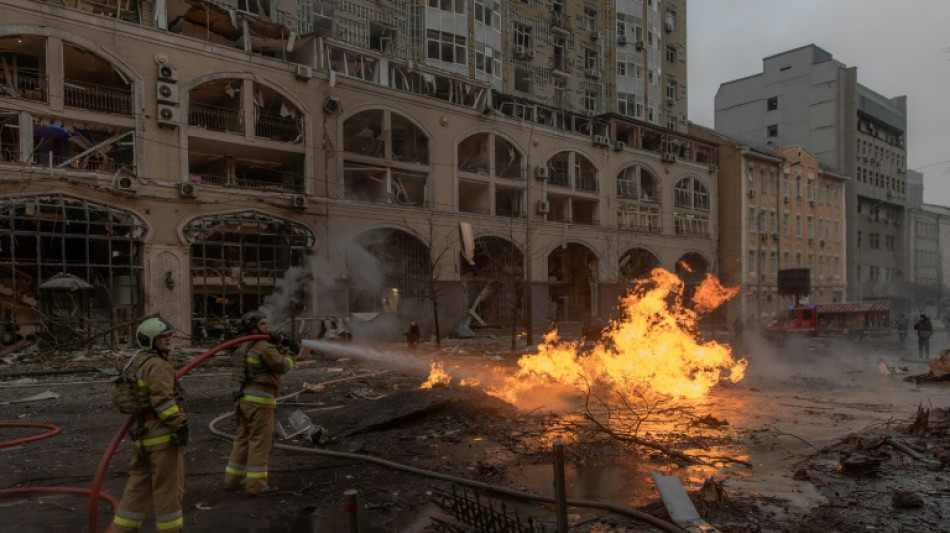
(290, 295)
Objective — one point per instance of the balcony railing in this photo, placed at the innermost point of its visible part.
(287, 183)
(510, 213)
(282, 129)
(586, 184)
(89, 163)
(97, 98)
(475, 210)
(26, 84)
(561, 179)
(215, 118)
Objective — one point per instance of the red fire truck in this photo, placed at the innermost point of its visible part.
(855, 321)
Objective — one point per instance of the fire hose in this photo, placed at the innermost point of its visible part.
(527, 496)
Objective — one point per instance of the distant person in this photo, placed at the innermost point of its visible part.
(902, 324)
(925, 329)
(413, 335)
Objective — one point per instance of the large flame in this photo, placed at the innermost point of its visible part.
(652, 347)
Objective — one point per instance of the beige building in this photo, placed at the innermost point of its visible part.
(786, 212)
(197, 161)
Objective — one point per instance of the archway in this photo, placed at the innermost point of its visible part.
(494, 281)
(572, 283)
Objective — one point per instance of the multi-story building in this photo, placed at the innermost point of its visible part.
(786, 213)
(201, 159)
(806, 97)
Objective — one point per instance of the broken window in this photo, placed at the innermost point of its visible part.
(218, 106)
(495, 279)
(211, 163)
(691, 207)
(77, 145)
(388, 272)
(390, 150)
(572, 279)
(92, 83)
(508, 202)
(637, 263)
(100, 246)
(23, 68)
(237, 260)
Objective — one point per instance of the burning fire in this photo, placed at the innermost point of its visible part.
(653, 347)
(438, 377)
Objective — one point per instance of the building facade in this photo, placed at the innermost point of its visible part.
(201, 159)
(805, 97)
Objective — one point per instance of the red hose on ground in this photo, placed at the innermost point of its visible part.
(117, 439)
(53, 430)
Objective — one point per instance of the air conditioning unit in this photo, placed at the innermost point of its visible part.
(125, 183)
(544, 207)
(188, 190)
(639, 45)
(529, 53)
(298, 201)
(167, 73)
(592, 73)
(669, 157)
(520, 51)
(304, 72)
(622, 39)
(594, 36)
(620, 146)
(166, 92)
(601, 140)
(670, 102)
(785, 199)
(751, 194)
(168, 115)
(541, 172)
(713, 169)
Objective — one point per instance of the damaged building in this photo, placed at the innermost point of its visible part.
(182, 156)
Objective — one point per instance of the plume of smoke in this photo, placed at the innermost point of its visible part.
(290, 294)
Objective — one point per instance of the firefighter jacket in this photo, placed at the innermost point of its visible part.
(264, 367)
(157, 381)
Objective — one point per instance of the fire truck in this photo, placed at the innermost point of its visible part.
(855, 321)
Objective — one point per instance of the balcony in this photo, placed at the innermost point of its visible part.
(215, 118)
(26, 84)
(97, 98)
(281, 129)
(275, 181)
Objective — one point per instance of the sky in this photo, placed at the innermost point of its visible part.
(898, 47)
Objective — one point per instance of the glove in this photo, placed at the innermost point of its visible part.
(276, 339)
(181, 436)
(293, 346)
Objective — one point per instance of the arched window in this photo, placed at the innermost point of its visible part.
(638, 200)
(237, 261)
(490, 176)
(386, 159)
(691, 207)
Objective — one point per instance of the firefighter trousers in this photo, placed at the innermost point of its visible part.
(156, 479)
(250, 454)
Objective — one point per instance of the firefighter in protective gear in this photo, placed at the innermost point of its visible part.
(159, 433)
(260, 369)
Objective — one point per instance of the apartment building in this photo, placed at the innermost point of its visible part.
(199, 159)
(806, 97)
(787, 212)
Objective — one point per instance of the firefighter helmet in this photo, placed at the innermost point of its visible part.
(150, 329)
(250, 319)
